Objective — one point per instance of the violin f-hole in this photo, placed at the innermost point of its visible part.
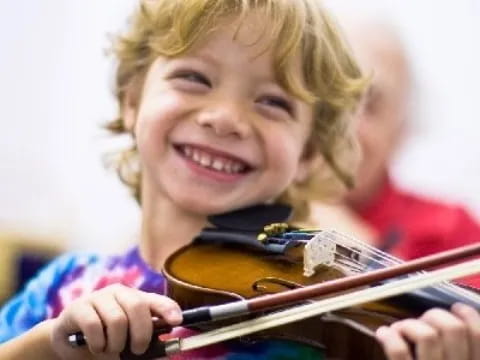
(263, 285)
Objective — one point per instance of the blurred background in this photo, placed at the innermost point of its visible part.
(55, 94)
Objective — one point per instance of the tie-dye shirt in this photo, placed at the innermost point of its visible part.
(73, 275)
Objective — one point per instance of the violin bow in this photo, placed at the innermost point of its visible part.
(268, 302)
(301, 312)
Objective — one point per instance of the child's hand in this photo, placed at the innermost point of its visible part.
(106, 317)
(437, 335)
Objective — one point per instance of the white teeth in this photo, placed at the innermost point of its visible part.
(237, 167)
(188, 151)
(205, 160)
(196, 156)
(217, 163)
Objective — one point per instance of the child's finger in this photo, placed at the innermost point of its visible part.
(165, 307)
(90, 323)
(395, 347)
(453, 332)
(428, 344)
(137, 309)
(115, 322)
(471, 317)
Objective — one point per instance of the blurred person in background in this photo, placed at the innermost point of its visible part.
(378, 211)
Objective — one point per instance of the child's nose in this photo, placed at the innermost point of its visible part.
(225, 120)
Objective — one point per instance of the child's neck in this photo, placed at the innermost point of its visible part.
(165, 229)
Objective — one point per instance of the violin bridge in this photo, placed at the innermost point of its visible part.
(319, 251)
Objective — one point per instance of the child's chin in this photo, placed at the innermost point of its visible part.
(204, 208)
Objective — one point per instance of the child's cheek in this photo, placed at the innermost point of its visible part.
(160, 114)
(286, 149)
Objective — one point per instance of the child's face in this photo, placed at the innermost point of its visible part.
(214, 129)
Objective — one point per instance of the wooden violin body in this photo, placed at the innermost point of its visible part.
(205, 274)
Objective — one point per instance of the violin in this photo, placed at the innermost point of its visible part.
(218, 268)
(233, 263)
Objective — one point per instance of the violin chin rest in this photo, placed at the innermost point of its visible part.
(253, 218)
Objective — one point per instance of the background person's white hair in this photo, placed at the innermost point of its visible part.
(376, 18)
(440, 39)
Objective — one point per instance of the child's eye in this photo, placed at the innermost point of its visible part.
(193, 76)
(278, 102)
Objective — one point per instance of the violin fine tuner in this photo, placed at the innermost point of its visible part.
(274, 229)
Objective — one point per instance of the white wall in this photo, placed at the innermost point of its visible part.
(55, 93)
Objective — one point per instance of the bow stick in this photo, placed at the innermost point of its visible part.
(319, 307)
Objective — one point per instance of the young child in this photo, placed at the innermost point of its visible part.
(231, 104)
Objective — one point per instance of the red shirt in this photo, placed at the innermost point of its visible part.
(410, 226)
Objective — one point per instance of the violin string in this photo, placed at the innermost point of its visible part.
(369, 248)
(464, 292)
(349, 261)
(372, 253)
(330, 304)
(359, 254)
(378, 255)
(360, 248)
(349, 265)
(391, 260)
(362, 251)
(335, 237)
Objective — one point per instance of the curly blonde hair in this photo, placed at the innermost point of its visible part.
(333, 82)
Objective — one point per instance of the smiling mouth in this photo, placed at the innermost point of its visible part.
(213, 161)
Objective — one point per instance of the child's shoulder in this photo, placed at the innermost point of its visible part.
(74, 265)
(33, 304)
(80, 274)
(62, 281)
(71, 260)
(40, 289)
